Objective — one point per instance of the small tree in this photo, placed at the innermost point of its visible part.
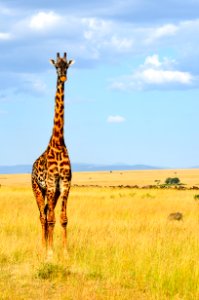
(172, 181)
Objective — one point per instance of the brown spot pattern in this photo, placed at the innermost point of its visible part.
(51, 173)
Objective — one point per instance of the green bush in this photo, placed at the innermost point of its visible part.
(172, 181)
(51, 271)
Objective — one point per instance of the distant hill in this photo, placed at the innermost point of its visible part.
(115, 167)
(17, 169)
(78, 167)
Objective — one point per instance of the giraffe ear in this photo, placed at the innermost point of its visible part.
(52, 62)
(71, 62)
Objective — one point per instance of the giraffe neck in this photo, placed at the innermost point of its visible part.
(57, 139)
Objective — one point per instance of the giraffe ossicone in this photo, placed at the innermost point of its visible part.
(51, 172)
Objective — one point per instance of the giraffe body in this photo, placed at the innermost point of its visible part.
(51, 172)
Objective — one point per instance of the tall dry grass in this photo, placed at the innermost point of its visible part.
(120, 241)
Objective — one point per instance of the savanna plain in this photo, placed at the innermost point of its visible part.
(121, 243)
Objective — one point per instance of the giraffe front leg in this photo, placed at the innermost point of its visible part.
(52, 197)
(40, 198)
(44, 230)
(63, 216)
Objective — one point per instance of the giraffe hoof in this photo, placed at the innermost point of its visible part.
(65, 254)
(49, 256)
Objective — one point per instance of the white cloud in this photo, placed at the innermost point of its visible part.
(38, 86)
(7, 11)
(5, 36)
(43, 20)
(115, 119)
(152, 76)
(165, 30)
(31, 84)
(96, 25)
(94, 40)
(121, 44)
(106, 35)
(153, 60)
(162, 31)
(155, 74)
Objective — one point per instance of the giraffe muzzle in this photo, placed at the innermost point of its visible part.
(63, 78)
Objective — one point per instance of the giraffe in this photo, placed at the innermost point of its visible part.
(51, 172)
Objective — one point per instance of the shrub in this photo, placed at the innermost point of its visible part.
(172, 181)
(51, 271)
(196, 197)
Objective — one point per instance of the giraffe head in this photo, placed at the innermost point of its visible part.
(62, 65)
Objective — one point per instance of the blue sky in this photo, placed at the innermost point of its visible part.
(132, 95)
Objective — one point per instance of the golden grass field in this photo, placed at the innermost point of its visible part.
(121, 243)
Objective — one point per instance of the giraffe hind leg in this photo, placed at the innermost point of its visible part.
(63, 216)
(46, 224)
(52, 197)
